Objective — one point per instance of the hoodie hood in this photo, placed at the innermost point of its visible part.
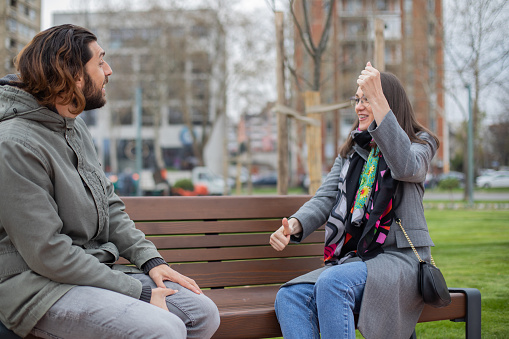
(16, 103)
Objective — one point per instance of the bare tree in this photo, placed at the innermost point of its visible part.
(478, 54)
(306, 34)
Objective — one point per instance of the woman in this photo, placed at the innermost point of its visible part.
(370, 268)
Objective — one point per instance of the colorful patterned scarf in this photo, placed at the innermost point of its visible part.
(362, 214)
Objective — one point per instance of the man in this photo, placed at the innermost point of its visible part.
(61, 225)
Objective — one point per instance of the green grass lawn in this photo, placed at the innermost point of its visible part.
(472, 250)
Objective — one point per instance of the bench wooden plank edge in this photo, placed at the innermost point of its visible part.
(208, 207)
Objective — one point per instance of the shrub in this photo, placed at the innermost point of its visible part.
(185, 184)
(449, 184)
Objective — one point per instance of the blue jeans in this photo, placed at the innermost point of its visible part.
(326, 307)
(90, 312)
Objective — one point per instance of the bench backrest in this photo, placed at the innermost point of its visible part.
(224, 241)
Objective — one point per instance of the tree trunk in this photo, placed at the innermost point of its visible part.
(314, 143)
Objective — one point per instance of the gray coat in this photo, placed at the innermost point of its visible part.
(61, 224)
(391, 303)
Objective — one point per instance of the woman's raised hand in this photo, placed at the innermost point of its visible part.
(370, 83)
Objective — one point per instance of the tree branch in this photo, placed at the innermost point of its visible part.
(325, 35)
(308, 26)
(299, 29)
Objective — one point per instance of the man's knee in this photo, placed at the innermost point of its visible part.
(164, 325)
(206, 322)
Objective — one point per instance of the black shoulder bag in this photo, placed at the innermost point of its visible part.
(432, 285)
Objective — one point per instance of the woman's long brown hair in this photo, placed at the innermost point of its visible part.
(52, 62)
(402, 109)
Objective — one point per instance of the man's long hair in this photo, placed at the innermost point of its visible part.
(52, 62)
(402, 109)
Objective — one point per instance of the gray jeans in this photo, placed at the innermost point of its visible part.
(90, 312)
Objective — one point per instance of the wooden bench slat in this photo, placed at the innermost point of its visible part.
(239, 253)
(209, 226)
(234, 297)
(227, 207)
(235, 253)
(219, 240)
(241, 273)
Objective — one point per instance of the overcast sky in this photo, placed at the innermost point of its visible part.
(50, 6)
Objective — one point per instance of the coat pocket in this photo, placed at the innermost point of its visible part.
(420, 238)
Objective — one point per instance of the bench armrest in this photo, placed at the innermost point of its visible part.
(473, 312)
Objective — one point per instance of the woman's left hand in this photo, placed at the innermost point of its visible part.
(371, 87)
(370, 83)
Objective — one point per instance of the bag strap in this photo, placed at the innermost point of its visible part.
(398, 221)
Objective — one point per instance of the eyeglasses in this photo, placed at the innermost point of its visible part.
(355, 101)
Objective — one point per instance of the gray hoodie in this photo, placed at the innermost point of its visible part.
(61, 224)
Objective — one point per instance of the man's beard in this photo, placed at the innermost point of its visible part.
(93, 97)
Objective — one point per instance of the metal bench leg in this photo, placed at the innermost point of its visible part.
(473, 313)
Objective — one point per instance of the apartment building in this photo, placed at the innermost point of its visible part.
(413, 52)
(21, 21)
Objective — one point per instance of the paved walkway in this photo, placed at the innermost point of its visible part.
(482, 200)
(458, 196)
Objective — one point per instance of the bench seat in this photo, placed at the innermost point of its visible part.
(223, 244)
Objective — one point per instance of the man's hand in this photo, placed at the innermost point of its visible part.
(161, 273)
(159, 297)
(280, 239)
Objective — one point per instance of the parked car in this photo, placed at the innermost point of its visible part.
(269, 179)
(493, 179)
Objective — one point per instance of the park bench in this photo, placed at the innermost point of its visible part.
(223, 244)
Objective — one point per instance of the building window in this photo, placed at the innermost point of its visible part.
(354, 29)
(199, 115)
(32, 14)
(392, 54)
(130, 37)
(176, 88)
(431, 6)
(147, 116)
(150, 90)
(120, 89)
(148, 63)
(200, 89)
(14, 3)
(11, 43)
(382, 5)
(122, 116)
(175, 116)
(352, 6)
(200, 63)
(122, 63)
(90, 117)
(199, 31)
(12, 25)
